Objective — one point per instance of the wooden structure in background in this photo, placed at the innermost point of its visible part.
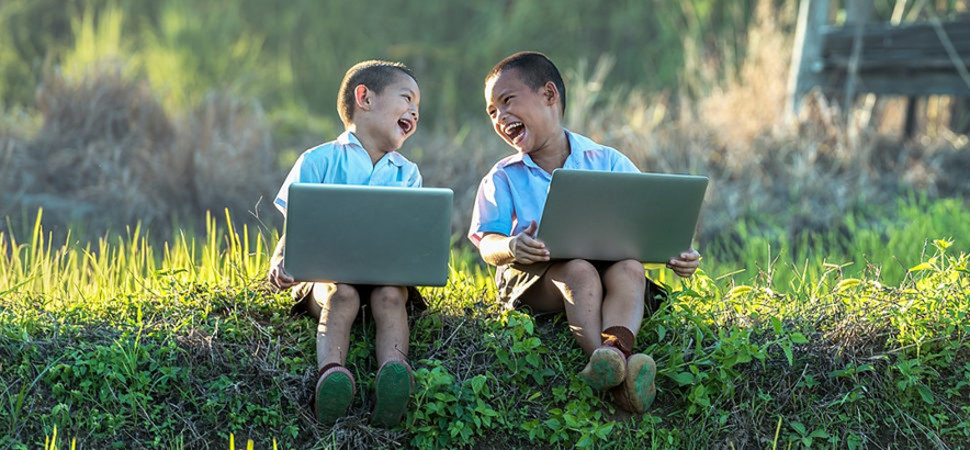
(909, 59)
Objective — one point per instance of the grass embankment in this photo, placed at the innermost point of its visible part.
(179, 345)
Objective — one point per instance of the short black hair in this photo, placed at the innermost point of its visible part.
(536, 70)
(375, 75)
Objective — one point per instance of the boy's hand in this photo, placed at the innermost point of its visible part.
(526, 249)
(278, 277)
(685, 264)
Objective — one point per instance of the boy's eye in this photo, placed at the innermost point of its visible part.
(508, 99)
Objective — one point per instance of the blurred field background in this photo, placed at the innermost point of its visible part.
(835, 283)
(117, 112)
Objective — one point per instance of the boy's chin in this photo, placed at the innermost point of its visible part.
(518, 147)
(521, 149)
(398, 143)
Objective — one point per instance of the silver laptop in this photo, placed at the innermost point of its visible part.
(368, 234)
(614, 216)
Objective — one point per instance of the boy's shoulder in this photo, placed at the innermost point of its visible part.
(329, 149)
(342, 141)
(582, 143)
(507, 161)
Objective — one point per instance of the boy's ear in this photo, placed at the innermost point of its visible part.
(362, 97)
(550, 93)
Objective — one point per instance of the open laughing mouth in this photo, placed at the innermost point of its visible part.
(514, 131)
(405, 125)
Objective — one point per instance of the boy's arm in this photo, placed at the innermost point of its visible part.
(498, 249)
(277, 276)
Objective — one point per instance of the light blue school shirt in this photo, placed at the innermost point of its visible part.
(514, 192)
(344, 161)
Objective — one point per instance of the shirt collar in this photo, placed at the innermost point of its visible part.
(578, 144)
(347, 138)
(395, 158)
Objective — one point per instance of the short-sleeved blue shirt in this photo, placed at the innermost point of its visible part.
(344, 161)
(514, 192)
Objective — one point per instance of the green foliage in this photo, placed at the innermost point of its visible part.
(125, 341)
(447, 414)
(879, 243)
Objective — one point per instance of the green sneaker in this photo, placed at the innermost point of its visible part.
(393, 390)
(333, 394)
(605, 369)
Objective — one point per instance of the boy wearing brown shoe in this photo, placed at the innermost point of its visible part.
(378, 103)
(604, 300)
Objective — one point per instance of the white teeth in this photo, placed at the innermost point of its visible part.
(512, 127)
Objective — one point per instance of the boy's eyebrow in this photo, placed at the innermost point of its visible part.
(499, 96)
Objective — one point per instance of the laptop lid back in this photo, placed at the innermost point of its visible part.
(614, 216)
(368, 234)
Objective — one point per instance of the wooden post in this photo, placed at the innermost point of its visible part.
(960, 115)
(857, 13)
(909, 128)
(806, 60)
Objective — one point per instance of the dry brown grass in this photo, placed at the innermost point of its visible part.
(107, 155)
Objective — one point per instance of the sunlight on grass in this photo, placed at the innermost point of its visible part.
(127, 335)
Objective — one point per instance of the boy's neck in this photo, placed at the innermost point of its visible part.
(552, 154)
(369, 144)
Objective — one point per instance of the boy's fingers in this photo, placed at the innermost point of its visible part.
(532, 245)
(528, 240)
(692, 263)
(532, 252)
(537, 258)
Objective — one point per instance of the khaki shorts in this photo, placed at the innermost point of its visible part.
(515, 279)
(303, 295)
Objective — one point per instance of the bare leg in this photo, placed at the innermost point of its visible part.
(391, 317)
(623, 304)
(574, 286)
(335, 306)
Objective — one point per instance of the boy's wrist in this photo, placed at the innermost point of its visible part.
(510, 247)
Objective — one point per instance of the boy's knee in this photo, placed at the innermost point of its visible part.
(388, 297)
(338, 296)
(628, 272)
(578, 271)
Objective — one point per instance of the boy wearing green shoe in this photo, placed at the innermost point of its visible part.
(378, 103)
(604, 300)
